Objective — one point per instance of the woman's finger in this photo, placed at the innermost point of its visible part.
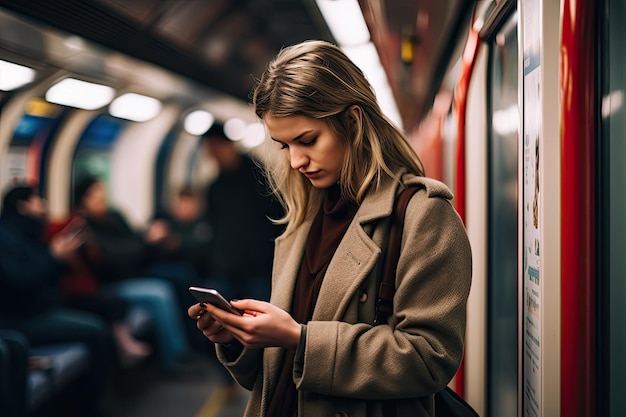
(251, 305)
(195, 310)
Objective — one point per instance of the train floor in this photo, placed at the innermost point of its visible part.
(196, 389)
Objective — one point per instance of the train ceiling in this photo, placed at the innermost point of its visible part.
(224, 44)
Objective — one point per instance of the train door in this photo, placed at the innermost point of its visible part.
(503, 137)
(611, 200)
(92, 156)
(492, 180)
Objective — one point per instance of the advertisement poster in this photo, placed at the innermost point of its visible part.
(13, 166)
(532, 302)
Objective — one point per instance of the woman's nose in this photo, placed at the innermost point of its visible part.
(297, 158)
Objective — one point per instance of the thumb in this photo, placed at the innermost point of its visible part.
(249, 304)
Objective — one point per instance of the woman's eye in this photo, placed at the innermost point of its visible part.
(308, 142)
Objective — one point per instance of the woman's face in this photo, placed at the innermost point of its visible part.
(311, 147)
(35, 207)
(95, 199)
(186, 208)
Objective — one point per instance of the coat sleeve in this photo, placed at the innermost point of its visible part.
(420, 348)
(115, 246)
(244, 367)
(25, 266)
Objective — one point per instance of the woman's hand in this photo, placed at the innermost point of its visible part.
(157, 232)
(261, 325)
(65, 243)
(210, 328)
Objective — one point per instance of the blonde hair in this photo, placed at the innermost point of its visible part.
(316, 79)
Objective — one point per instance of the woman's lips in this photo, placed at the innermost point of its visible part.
(313, 175)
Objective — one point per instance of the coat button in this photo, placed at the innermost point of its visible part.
(363, 297)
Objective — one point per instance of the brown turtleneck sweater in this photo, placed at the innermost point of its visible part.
(326, 232)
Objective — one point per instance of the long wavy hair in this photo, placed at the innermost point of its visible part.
(316, 79)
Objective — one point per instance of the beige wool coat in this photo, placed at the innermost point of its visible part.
(349, 365)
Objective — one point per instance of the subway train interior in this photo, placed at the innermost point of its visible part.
(517, 106)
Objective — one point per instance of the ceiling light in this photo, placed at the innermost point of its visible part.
(13, 76)
(198, 122)
(75, 42)
(135, 107)
(366, 57)
(235, 129)
(345, 21)
(254, 135)
(347, 25)
(80, 94)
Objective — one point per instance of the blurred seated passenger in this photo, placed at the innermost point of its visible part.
(83, 291)
(117, 256)
(182, 234)
(180, 237)
(13, 370)
(31, 300)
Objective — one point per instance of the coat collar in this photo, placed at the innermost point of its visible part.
(355, 256)
(379, 202)
(356, 253)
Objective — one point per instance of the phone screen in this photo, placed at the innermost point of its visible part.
(211, 296)
(74, 232)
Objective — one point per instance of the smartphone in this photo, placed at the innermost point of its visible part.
(75, 232)
(211, 296)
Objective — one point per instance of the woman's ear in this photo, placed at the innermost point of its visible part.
(354, 115)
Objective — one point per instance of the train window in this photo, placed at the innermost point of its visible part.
(502, 154)
(92, 155)
(28, 127)
(101, 132)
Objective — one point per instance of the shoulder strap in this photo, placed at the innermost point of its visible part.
(447, 402)
(384, 303)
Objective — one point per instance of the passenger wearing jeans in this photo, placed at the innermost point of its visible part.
(13, 370)
(31, 301)
(157, 296)
(118, 257)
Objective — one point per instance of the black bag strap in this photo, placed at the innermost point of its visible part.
(384, 303)
(387, 288)
(447, 402)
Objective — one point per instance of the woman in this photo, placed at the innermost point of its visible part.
(312, 350)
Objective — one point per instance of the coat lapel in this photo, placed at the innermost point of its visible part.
(355, 256)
